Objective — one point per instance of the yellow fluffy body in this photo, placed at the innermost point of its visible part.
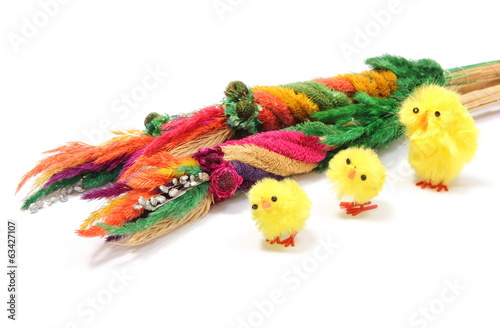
(286, 215)
(347, 169)
(442, 133)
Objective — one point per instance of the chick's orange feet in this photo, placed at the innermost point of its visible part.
(440, 186)
(355, 208)
(274, 241)
(290, 241)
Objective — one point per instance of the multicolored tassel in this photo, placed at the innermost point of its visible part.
(168, 175)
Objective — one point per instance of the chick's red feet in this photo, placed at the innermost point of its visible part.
(438, 187)
(290, 241)
(441, 186)
(355, 208)
(274, 241)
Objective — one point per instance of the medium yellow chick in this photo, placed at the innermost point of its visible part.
(442, 133)
(356, 172)
(280, 209)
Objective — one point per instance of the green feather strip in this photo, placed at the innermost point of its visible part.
(50, 189)
(173, 210)
(189, 170)
(97, 179)
(89, 180)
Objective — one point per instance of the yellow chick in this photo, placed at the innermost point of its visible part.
(358, 173)
(280, 209)
(442, 133)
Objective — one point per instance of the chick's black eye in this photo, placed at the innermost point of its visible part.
(274, 198)
(363, 177)
(415, 110)
(255, 206)
(437, 114)
(348, 161)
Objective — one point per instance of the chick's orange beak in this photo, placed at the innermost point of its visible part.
(351, 174)
(424, 122)
(265, 204)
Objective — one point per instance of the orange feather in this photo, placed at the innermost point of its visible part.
(77, 153)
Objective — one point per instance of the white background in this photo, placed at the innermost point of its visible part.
(60, 85)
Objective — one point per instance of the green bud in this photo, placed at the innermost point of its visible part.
(236, 90)
(245, 109)
(151, 116)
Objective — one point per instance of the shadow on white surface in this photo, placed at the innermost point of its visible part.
(106, 253)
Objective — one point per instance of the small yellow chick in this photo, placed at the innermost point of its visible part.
(280, 208)
(356, 172)
(442, 133)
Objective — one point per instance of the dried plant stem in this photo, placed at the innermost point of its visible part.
(210, 139)
(466, 76)
(481, 98)
(477, 85)
(168, 225)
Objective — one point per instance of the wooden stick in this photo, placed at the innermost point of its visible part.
(476, 73)
(469, 70)
(477, 85)
(481, 98)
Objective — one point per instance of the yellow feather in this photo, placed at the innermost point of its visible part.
(442, 133)
(286, 214)
(44, 177)
(189, 161)
(356, 172)
(101, 212)
(129, 132)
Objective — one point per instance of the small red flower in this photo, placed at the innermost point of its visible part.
(209, 158)
(224, 181)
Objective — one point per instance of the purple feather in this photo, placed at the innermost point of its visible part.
(252, 174)
(71, 172)
(131, 160)
(114, 239)
(115, 190)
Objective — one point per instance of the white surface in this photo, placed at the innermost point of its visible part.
(66, 81)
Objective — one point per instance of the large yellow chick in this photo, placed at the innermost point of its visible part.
(442, 133)
(358, 173)
(280, 209)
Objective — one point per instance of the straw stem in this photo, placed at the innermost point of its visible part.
(464, 76)
(477, 85)
(481, 98)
